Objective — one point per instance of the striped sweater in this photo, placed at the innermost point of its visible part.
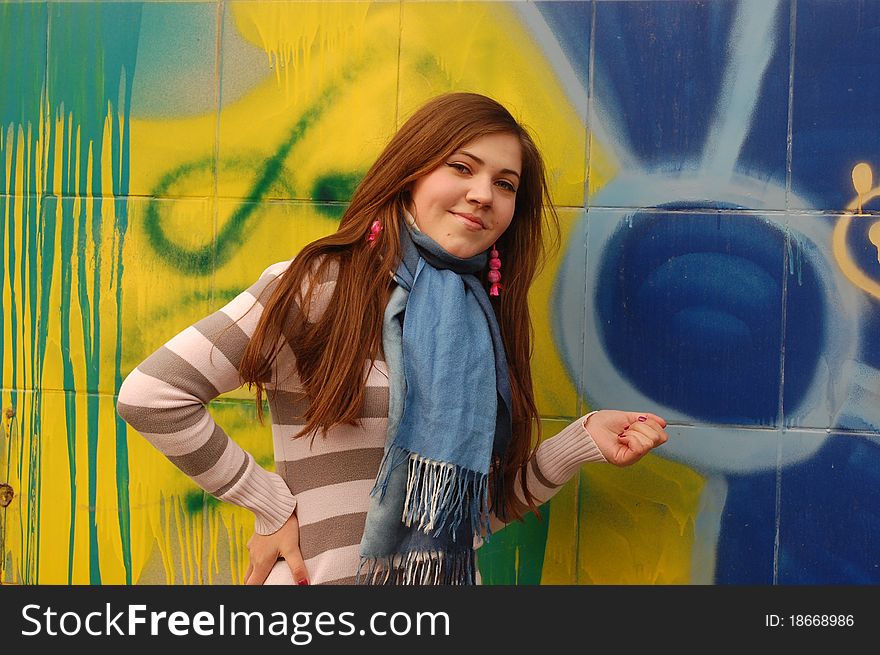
(326, 479)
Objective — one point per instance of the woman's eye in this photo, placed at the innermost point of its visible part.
(461, 168)
(507, 186)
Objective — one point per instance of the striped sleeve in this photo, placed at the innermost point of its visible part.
(554, 462)
(164, 400)
(557, 459)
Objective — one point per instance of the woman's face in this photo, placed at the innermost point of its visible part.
(467, 202)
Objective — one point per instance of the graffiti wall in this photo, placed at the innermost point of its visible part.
(713, 167)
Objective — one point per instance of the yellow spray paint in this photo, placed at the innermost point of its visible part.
(862, 178)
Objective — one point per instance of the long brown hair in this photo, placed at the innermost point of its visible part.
(331, 350)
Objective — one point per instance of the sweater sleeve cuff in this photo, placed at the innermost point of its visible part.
(561, 456)
(265, 494)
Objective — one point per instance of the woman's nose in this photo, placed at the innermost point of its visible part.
(480, 191)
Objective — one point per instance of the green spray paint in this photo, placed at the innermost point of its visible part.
(67, 366)
(104, 38)
(203, 260)
(498, 556)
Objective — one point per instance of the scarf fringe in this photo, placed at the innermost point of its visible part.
(419, 568)
(438, 494)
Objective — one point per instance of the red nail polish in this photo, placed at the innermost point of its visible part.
(643, 418)
(303, 581)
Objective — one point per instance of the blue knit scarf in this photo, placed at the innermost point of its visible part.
(449, 421)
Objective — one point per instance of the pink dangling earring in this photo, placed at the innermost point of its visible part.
(375, 229)
(495, 272)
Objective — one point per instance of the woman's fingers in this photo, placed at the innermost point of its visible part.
(650, 436)
(266, 550)
(247, 573)
(642, 417)
(289, 547)
(259, 572)
(638, 439)
(297, 567)
(653, 432)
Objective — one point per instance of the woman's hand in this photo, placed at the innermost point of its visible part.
(266, 549)
(625, 437)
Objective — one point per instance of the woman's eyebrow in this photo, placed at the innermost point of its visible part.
(482, 163)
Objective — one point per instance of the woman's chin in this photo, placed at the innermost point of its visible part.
(462, 250)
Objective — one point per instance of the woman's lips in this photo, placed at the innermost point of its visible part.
(470, 221)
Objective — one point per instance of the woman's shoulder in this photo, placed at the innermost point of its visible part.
(324, 269)
(321, 281)
(276, 269)
(268, 281)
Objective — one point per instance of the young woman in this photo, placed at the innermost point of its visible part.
(395, 357)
